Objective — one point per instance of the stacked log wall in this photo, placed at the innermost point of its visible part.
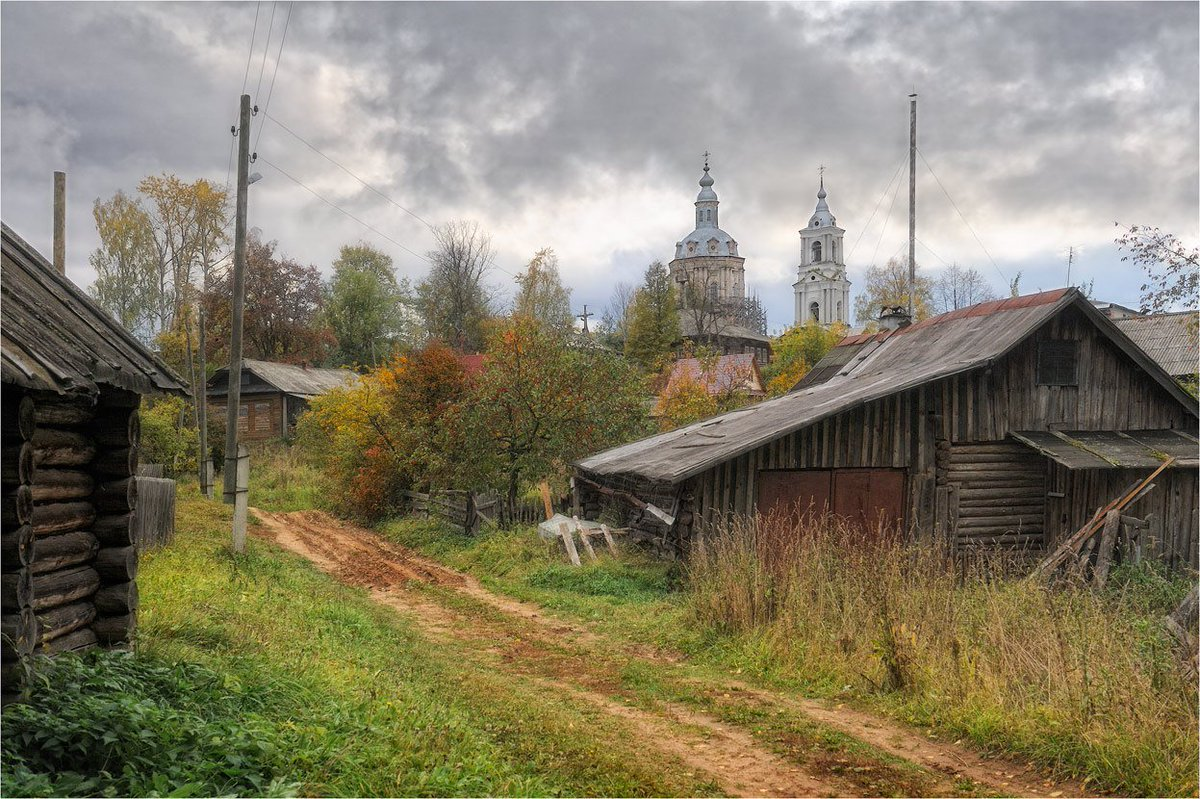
(69, 501)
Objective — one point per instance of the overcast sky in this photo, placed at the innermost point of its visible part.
(581, 126)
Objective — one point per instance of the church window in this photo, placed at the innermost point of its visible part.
(816, 252)
(699, 217)
(814, 311)
(712, 292)
(691, 248)
(708, 215)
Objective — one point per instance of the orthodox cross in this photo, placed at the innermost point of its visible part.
(821, 172)
(706, 154)
(584, 317)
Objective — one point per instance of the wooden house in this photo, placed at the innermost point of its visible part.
(727, 374)
(273, 395)
(1004, 424)
(73, 379)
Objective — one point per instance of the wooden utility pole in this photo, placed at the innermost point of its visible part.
(60, 222)
(233, 396)
(912, 206)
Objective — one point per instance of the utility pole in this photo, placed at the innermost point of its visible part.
(233, 396)
(60, 222)
(912, 206)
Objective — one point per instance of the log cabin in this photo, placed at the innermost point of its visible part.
(1005, 424)
(73, 380)
(273, 395)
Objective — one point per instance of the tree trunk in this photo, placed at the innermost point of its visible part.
(513, 479)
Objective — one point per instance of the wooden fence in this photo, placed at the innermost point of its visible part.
(467, 511)
(154, 519)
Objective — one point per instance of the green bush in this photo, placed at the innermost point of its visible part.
(116, 724)
(165, 439)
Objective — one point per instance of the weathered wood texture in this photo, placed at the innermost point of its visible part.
(993, 489)
(154, 521)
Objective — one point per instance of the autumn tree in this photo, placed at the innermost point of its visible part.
(284, 300)
(1172, 269)
(684, 400)
(452, 298)
(958, 287)
(541, 294)
(540, 404)
(796, 351)
(126, 284)
(614, 319)
(368, 310)
(888, 285)
(653, 321)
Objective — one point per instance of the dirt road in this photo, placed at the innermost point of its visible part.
(574, 661)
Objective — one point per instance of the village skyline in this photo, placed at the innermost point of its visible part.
(1044, 124)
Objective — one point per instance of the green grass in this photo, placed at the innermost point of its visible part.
(349, 697)
(282, 479)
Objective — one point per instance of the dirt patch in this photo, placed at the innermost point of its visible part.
(741, 764)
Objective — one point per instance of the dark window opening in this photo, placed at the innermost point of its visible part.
(1058, 363)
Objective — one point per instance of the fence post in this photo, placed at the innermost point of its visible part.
(241, 498)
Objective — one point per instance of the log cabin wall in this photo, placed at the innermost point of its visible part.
(69, 497)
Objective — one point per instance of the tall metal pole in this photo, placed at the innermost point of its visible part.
(233, 396)
(912, 206)
(60, 222)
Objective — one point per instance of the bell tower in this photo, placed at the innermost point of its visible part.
(822, 289)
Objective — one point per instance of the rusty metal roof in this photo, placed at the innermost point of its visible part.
(1169, 338)
(53, 337)
(862, 369)
(1114, 449)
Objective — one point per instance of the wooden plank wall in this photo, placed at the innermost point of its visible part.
(156, 513)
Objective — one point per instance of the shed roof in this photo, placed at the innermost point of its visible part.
(868, 367)
(299, 381)
(1169, 338)
(53, 337)
(1109, 449)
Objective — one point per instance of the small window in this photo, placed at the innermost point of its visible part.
(1057, 363)
(814, 311)
(816, 252)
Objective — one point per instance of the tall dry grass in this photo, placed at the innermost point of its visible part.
(1083, 681)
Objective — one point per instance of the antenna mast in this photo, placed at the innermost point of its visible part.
(912, 205)
(1070, 260)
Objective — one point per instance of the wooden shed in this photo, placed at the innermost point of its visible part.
(73, 379)
(273, 395)
(1003, 424)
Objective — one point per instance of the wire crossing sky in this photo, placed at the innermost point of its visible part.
(582, 127)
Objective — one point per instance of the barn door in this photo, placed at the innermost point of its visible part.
(863, 496)
(794, 491)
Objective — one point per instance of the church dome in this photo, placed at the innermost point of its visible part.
(707, 239)
(822, 216)
(706, 192)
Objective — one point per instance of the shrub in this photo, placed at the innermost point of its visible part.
(165, 437)
(116, 724)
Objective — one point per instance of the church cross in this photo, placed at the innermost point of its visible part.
(584, 316)
(706, 154)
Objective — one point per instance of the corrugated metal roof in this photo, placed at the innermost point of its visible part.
(1169, 338)
(298, 380)
(878, 365)
(1108, 449)
(53, 337)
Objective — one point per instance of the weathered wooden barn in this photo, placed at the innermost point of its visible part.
(72, 383)
(273, 395)
(1007, 424)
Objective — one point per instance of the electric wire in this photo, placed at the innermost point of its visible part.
(266, 49)
(886, 219)
(336, 207)
(961, 216)
(340, 166)
(878, 203)
(250, 54)
(275, 72)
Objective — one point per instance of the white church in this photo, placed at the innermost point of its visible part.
(822, 289)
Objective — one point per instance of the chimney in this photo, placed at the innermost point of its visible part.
(893, 317)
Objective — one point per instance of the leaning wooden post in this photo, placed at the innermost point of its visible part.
(241, 498)
(569, 543)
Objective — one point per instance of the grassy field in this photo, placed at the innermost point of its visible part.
(1082, 682)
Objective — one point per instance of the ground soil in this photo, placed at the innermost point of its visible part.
(574, 661)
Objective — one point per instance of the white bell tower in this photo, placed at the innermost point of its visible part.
(822, 288)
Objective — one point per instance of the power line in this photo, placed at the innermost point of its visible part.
(250, 54)
(878, 203)
(336, 207)
(313, 147)
(886, 219)
(266, 49)
(934, 254)
(978, 241)
(278, 58)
